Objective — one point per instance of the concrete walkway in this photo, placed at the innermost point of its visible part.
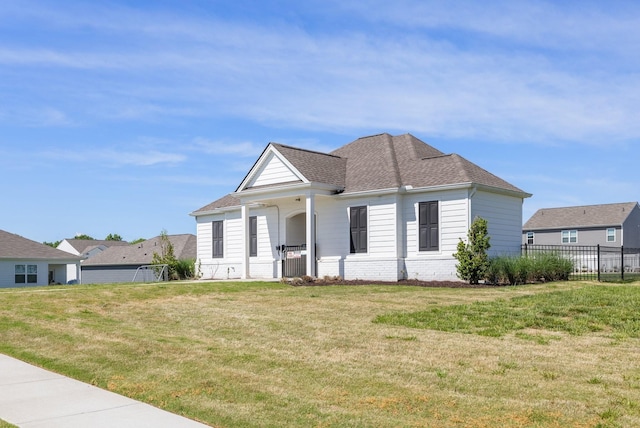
(34, 397)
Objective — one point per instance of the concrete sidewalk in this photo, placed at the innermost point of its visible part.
(34, 397)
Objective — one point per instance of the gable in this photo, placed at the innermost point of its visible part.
(272, 170)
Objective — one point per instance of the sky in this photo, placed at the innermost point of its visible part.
(125, 116)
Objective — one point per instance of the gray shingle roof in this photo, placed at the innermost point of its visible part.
(14, 246)
(84, 245)
(382, 162)
(184, 247)
(580, 216)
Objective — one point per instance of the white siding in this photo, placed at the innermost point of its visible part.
(273, 171)
(504, 216)
(7, 273)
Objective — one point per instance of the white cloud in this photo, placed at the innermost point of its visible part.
(116, 158)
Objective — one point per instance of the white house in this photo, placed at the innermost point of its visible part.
(86, 248)
(24, 262)
(381, 207)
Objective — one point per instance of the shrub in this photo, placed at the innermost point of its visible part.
(473, 261)
(526, 269)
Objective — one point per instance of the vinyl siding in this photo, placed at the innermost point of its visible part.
(274, 171)
(504, 216)
(7, 273)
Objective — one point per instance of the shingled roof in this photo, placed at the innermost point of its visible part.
(381, 162)
(580, 216)
(184, 247)
(14, 246)
(84, 245)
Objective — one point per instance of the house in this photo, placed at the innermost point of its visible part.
(28, 263)
(381, 207)
(127, 263)
(611, 225)
(86, 248)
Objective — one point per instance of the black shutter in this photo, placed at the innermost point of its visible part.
(253, 236)
(217, 239)
(358, 229)
(428, 226)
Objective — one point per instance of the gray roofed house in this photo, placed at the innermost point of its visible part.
(384, 207)
(86, 248)
(119, 263)
(24, 262)
(605, 224)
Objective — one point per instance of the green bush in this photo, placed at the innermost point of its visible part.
(473, 261)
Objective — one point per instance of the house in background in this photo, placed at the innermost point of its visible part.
(24, 262)
(86, 248)
(121, 263)
(381, 207)
(611, 225)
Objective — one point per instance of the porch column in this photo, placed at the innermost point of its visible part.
(311, 234)
(244, 210)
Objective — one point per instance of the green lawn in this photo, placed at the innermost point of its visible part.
(271, 355)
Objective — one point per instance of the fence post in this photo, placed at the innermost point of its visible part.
(598, 263)
(622, 262)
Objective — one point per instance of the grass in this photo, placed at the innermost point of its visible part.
(270, 355)
(4, 424)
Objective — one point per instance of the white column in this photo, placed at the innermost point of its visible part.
(311, 234)
(245, 241)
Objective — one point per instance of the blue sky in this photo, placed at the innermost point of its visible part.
(125, 116)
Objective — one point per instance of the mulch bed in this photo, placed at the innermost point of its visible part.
(297, 282)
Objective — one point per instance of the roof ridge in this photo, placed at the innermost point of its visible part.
(304, 150)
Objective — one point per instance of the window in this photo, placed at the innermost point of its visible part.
(569, 236)
(358, 228)
(217, 239)
(26, 274)
(530, 238)
(428, 226)
(253, 236)
(611, 235)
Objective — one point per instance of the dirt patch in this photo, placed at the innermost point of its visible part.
(310, 282)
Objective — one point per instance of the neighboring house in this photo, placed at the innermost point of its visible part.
(28, 263)
(383, 208)
(611, 225)
(86, 248)
(121, 263)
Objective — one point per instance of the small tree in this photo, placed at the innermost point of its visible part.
(472, 257)
(84, 236)
(166, 256)
(113, 237)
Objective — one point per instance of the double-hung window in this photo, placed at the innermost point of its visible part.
(428, 226)
(530, 238)
(217, 239)
(358, 229)
(611, 234)
(26, 274)
(569, 236)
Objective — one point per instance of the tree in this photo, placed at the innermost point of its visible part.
(83, 236)
(166, 256)
(113, 237)
(472, 257)
(52, 244)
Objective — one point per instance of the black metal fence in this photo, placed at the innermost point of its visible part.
(594, 262)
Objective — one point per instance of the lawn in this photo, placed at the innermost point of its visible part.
(267, 354)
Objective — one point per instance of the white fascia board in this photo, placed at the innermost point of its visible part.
(374, 192)
(261, 160)
(468, 185)
(284, 191)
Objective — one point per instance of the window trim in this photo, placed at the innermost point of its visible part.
(531, 237)
(358, 230)
(29, 274)
(217, 239)
(427, 225)
(569, 236)
(253, 236)
(612, 235)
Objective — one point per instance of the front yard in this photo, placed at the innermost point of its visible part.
(267, 354)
